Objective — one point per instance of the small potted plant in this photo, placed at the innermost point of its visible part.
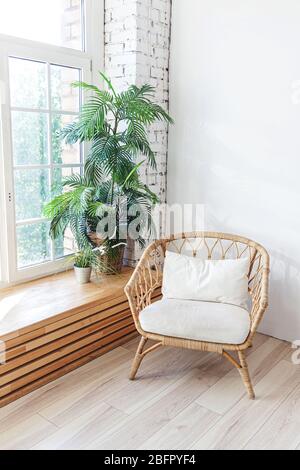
(85, 261)
(82, 267)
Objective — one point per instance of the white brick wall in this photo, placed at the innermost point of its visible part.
(137, 39)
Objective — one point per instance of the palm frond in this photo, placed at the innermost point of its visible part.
(109, 155)
(133, 174)
(102, 191)
(78, 227)
(73, 181)
(108, 82)
(136, 140)
(137, 103)
(85, 86)
(58, 225)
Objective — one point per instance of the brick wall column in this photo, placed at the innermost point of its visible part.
(137, 45)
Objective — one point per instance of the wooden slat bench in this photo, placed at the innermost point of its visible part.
(52, 326)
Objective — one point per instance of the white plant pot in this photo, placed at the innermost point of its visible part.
(83, 275)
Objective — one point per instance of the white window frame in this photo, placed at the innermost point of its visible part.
(90, 61)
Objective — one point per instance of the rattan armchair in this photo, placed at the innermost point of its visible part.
(145, 284)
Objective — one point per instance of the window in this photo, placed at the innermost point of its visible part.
(42, 103)
(58, 22)
(37, 101)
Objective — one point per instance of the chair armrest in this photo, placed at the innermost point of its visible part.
(260, 298)
(145, 281)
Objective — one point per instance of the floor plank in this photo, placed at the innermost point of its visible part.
(229, 389)
(281, 431)
(187, 426)
(240, 424)
(180, 400)
(156, 374)
(150, 415)
(26, 433)
(80, 431)
(63, 391)
(136, 429)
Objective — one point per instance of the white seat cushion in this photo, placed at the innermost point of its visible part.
(201, 321)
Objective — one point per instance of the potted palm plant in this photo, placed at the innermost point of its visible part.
(115, 125)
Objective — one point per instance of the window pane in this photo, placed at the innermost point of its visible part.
(31, 191)
(64, 97)
(28, 83)
(33, 244)
(65, 245)
(59, 174)
(61, 152)
(30, 138)
(57, 22)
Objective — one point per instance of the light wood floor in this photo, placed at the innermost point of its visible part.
(180, 400)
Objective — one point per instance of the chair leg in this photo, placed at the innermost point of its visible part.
(138, 358)
(245, 375)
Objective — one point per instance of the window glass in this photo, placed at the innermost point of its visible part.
(57, 22)
(30, 138)
(28, 84)
(32, 190)
(43, 102)
(64, 97)
(33, 244)
(61, 152)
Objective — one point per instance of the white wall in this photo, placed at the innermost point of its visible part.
(236, 143)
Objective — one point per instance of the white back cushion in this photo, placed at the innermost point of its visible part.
(190, 278)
